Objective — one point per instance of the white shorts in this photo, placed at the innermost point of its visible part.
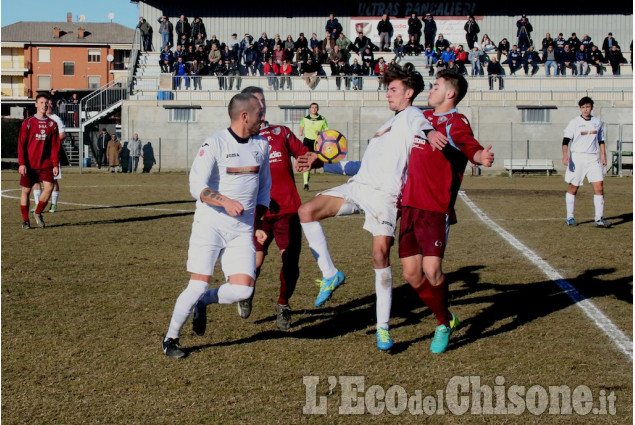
(581, 165)
(379, 208)
(235, 250)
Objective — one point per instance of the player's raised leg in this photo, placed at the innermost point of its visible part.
(319, 208)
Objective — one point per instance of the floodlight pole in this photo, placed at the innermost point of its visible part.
(187, 131)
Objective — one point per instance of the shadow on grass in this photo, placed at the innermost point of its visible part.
(506, 308)
(121, 220)
(148, 204)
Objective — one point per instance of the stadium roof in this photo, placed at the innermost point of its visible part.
(43, 32)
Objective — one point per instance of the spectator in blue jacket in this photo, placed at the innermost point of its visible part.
(531, 58)
(567, 60)
(523, 32)
(582, 61)
(514, 60)
(333, 27)
(448, 55)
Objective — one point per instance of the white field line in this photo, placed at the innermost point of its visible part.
(620, 339)
(5, 195)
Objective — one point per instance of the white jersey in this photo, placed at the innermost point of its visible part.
(584, 134)
(384, 164)
(236, 168)
(60, 125)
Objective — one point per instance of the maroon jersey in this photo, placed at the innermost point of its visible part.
(38, 143)
(434, 176)
(282, 146)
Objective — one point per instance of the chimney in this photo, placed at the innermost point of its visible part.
(56, 32)
(80, 32)
(69, 17)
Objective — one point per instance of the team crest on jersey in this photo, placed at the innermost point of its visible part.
(257, 156)
(442, 119)
(276, 130)
(201, 152)
(51, 124)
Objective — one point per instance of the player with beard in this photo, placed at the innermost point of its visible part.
(281, 222)
(230, 180)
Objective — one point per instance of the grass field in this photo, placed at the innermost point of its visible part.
(86, 301)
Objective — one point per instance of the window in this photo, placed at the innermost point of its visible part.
(535, 114)
(294, 115)
(44, 82)
(43, 54)
(69, 68)
(181, 115)
(94, 55)
(94, 81)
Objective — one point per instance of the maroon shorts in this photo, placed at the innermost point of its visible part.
(286, 231)
(422, 232)
(35, 176)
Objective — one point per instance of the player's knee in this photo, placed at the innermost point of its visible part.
(380, 259)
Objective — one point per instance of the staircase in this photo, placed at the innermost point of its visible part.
(146, 76)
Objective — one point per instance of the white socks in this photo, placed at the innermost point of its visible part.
(36, 196)
(184, 305)
(383, 290)
(54, 196)
(598, 202)
(570, 201)
(317, 242)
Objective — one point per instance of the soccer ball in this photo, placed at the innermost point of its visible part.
(331, 146)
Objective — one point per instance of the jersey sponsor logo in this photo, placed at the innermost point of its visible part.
(584, 133)
(243, 170)
(274, 155)
(232, 155)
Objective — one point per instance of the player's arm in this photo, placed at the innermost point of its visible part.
(55, 150)
(216, 199)
(22, 148)
(462, 135)
(602, 152)
(565, 151)
(436, 139)
(302, 128)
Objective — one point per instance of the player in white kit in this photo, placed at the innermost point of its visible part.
(375, 191)
(583, 138)
(230, 180)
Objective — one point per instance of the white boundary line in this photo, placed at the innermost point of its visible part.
(620, 339)
(4, 195)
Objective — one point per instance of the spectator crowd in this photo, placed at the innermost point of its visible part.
(195, 54)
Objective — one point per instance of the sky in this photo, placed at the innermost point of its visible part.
(12, 11)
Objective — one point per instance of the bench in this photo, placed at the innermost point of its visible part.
(525, 165)
(616, 166)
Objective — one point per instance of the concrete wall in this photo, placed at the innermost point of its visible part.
(175, 144)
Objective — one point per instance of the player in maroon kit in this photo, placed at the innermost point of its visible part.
(281, 221)
(38, 148)
(434, 178)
